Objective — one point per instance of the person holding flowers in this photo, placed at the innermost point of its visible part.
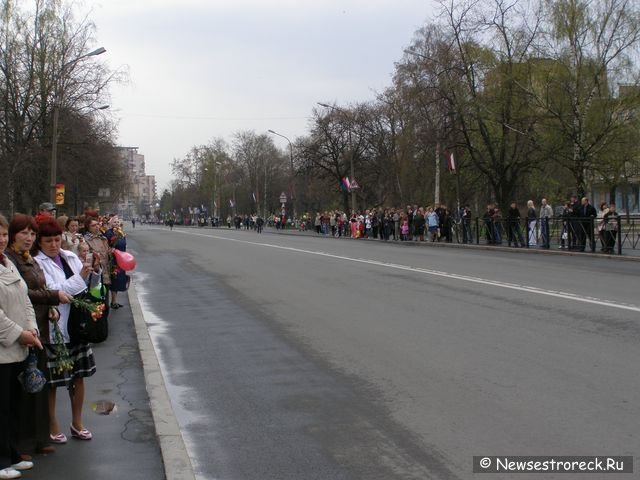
(119, 279)
(69, 363)
(98, 244)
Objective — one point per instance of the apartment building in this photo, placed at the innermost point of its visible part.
(140, 197)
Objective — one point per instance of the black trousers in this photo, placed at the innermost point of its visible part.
(34, 414)
(610, 239)
(9, 413)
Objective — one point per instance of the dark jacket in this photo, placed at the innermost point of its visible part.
(513, 215)
(41, 297)
(587, 210)
(574, 209)
(611, 221)
(419, 223)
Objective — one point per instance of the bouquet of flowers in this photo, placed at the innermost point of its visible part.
(118, 234)
(94, 309)
(63, 358)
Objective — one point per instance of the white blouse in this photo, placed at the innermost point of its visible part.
(57, 280)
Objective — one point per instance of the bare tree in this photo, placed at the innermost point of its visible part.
(42, 70)
(337, 145)
(264, 167)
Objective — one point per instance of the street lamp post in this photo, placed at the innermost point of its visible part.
(353, 175)
(215, 189)
(76, 197)
(59, 95)
(292, 173)
(214, 207)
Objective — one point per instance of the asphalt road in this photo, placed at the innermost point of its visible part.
(290, 357)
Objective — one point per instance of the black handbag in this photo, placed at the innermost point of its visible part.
(82, 326)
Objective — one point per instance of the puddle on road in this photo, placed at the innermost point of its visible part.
(104, 407)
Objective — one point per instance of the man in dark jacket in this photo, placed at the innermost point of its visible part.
(488, 225)
(573, 223)
(514, 234)
(587, 213)
(465, 216)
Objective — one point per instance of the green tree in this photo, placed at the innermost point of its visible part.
(591, 46)
(485, 90)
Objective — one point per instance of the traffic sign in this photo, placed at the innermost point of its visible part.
(283, 197)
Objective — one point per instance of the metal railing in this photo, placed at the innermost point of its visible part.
(572, 233)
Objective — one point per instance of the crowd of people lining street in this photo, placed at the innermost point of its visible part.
(576, 224)
(45, 261)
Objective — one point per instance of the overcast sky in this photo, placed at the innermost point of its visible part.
(202, 69)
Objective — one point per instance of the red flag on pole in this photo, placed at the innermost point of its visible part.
(451, 163)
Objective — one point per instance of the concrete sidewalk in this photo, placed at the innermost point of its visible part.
(140, 438)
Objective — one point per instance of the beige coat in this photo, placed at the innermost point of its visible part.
(101, 245)
(16, 314)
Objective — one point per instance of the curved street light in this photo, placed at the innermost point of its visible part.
(59, 95)
(292, 173)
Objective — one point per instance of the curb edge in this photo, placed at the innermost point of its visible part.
(176, 460)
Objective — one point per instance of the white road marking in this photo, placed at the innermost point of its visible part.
(437, 273)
